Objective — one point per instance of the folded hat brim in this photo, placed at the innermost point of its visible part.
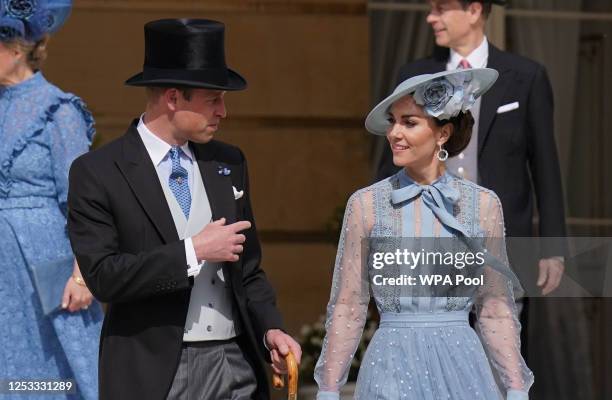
(377, 120)
(234, 81)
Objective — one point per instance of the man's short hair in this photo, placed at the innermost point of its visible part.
(486, 6)
(154, 92)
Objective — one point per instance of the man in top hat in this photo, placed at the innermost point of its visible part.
(161, 224)
(512, 150)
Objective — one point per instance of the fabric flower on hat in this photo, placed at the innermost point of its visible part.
(445, 97)
(32, 19)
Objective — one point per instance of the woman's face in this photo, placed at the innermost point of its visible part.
(413, 135)
(9, 62)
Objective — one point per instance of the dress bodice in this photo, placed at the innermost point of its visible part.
(445, 209)
(42, 130)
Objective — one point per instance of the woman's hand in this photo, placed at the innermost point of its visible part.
(76, 295)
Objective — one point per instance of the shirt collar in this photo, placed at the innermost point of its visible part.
(477, 58)
(156, 147)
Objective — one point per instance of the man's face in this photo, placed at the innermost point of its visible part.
(450, 22)
(198, 118)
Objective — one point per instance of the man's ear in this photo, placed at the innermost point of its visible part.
(171, 98)
(475, 11)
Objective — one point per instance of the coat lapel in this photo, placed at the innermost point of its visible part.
(220, 196)
(494, 97)
(218, 186)
(138, 170)
(439, 60)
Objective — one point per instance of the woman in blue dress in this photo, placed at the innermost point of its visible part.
(42, 129)
(424, 348)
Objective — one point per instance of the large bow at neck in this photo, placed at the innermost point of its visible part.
(437, 197)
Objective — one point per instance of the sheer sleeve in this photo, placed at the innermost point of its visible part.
(348, 303)
(497, 323)
(71, 130)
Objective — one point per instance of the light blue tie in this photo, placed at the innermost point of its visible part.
(179, 182)
(435, 197)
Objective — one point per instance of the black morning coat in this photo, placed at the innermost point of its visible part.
(129, 252)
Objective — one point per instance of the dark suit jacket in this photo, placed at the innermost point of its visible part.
(517, 152)
(128, 249)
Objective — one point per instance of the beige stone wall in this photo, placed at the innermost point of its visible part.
(299, 122)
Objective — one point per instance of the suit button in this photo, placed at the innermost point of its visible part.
(461, 156)
(210, 305)
(212, 281)
(209, 328)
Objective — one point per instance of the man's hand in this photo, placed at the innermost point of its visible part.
(551, 272)
(280, 344)
(218, 242)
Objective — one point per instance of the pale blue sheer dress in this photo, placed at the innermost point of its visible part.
(424, 348)
(42, 129)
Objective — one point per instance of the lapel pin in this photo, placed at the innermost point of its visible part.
(224, 171)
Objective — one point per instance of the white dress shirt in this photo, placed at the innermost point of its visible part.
(465, 164)
(158, 151)
(478, 58)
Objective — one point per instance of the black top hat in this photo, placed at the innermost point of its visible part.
(186, 52)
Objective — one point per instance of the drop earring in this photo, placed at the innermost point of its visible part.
(442, 154)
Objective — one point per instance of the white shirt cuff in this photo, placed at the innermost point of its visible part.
(265, 341)
(193, 267)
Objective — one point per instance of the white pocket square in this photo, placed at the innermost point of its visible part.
(237, 194)
(508, 107)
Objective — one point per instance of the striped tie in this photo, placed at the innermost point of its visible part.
(179, 183)
(464, 64)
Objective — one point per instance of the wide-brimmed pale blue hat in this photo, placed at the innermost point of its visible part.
(443, 95)
(32, 19)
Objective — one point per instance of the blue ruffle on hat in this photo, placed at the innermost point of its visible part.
(32, 19)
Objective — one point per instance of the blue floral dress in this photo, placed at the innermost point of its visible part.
(42, 130)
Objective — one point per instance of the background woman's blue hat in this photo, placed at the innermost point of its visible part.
(32, 19)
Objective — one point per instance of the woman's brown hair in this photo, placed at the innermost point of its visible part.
(35, 53)
(462, 132)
